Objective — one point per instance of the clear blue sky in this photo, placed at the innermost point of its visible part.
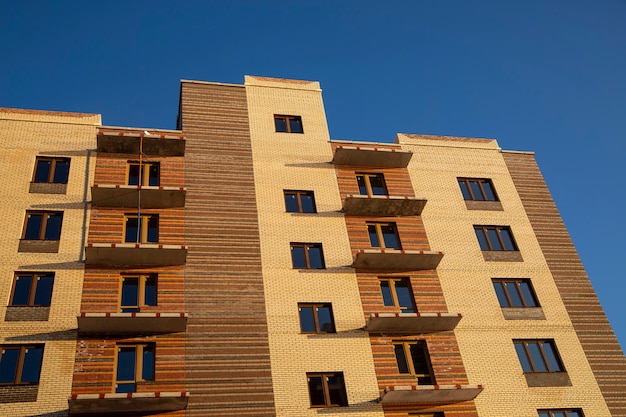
(546, 76)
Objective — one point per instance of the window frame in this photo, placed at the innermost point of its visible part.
(139, 365)
(546, 361)
(141, 292)
(299, 194)
(326, 389)
(286, 118)
(32, 292)
(520, 292)
(381, 235)
(52, 170)
(142, 224)
(408, 358)
(316, 321)
(307, 258)
(394, 295)
(480, 181)
(549, 412)
(499, 230)
(367, 176)
(143, 177)
(44, 223)
(21, 359)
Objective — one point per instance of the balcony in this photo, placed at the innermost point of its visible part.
(131, 323)
(381, 205)
(412, 323)
(371, 157)
(137, 402)
(135, 254)
(413, 395)
(128, 196)
(396, 260)
(157, 143)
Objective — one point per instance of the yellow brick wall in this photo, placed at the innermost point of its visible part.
(301, 162)
(23, 136)
(483, 335)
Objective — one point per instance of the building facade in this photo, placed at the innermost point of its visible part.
(246, 264)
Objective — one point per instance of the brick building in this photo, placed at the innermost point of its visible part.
(245, 264)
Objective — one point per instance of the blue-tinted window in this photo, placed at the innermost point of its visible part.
(138, 292)
(514, 292)
(327, 389)
(144, 230)
(33, 226)
(299, 201)
(371, 184)
(477, 189)
(42, 170)
(383, 235)
(135, 363)
(307, 256)
(316, 318)
(495, 238)
(51, 170)
(43, 225)
(8, 364)
(288, 124)
(31, 367)
(30, 357)
(148, 175)
(560, 413)
(397, 292)
(538, 356)
(32, 289)
(53, 227)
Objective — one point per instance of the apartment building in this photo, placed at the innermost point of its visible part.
(246, 264)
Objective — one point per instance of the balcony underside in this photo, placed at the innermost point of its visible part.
(132, 323)
(396, 260)
(131, 254)
(380, 205)
(129, 196)
(128, 143)
(429, 394)
(371, 157)
(138, 402)
(412, 323)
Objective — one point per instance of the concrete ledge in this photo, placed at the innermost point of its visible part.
(412, 323)
(396, 260)
(128, 196)
(132, 323)
(371, 157)
(127, 141)
(523, 313)
(135, 254)
(429, 394)
(127, 403)
(381, 205)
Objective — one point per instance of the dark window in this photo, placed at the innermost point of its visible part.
(327, 389)
(137, 292)
(43, 225)
(316, 318)
(20, 364)
(307, 256)
(32, 289)
(371, 184)
(289, 124)
(515, 292)
(412, 358)
(397, 293)
(299, 201)
(135, 363)
(477, 189)
(144, 231)
(51, 170)
(538, 356)
(148, 175)
(561, 413)
(497, 238)
(384, 235)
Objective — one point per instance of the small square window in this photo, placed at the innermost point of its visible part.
(371, 184)
(307, 256)
(288, 124)
(538, 356)
(20, 364)
(149, 174)
(515, 292)
(384, 235)
(300, 201)
(327, 389)
(142, 230)
(412, 358)
(495, 238)
(477, 189)
(397, 292)
(51, 170)
(138, 291)
(32, 289)
(316, 318)
(43, 225)
(561, 412)
(135, 363)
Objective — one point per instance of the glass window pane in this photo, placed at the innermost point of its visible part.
(477, 193)
(418, 355)
(315, 257)
(535, 354)
(53, 227)
(153, 229)
(32, 365)
(307, 322)
(316, 390)
(147, 370)
(43, 292)
(295, 125)
(133, 174)
(150, 292)
(378, 185)
(42, 171)
(291, 203)
(543, 414)
(153, 175)
(130, 294)
(281, 124)
(308, 205)
(482, 239)
(325, 319)
(126, 363)
(490, 194)
(521, 354)
(131, 229)
(403, 366)
(553, 362)
(371, 229)
(465, 190)
(386, 291)
(575, 414)
(390, 237)
(516, 300)
(33, 226)
(61, 171)
(125, 388)
(21, 293)
(501, 294)
(336, 390)
(558, 414)
(297, 257)
(360, 179)
(507, 239)
(405, 299)
(493, 239)
(8, 365)
(528, 295)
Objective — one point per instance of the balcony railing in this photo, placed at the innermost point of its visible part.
(127, 141)
(137, 402)
(135, 254)
(131, 323)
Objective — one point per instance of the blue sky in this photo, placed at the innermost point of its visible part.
(546, 76)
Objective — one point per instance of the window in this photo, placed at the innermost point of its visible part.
(51, 170)
(135, 363)
(32, 289)
(144, 230)
(397, 293)
(383, 235)
(148, 175)
(307, 256)
(316, 318)
(412, 358)
(137, 292)
(515, 292)
(477, 189)
(289, 124)
(300, 201)
(538, 356)
(497, 238)
(561, 413)
(327, 389)
(43, 225)
(371, 184)
(20, 364)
